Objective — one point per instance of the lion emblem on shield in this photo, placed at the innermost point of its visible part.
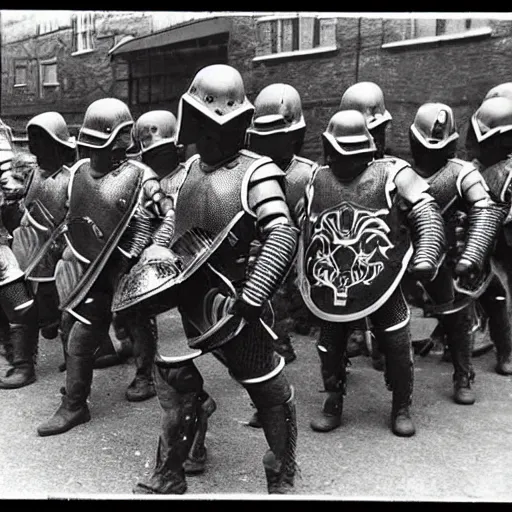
(348, 247)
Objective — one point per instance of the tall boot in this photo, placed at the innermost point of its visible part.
(331, 349)
(457, 327)
(174, 444)
(73, 410)
(143, 334)
(399, 377)
(196, 460)
(500, 332)
(280, 427)
(24, 340)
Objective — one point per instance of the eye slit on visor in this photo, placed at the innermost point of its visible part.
(208, 98)
(270, 122)
(231, 103)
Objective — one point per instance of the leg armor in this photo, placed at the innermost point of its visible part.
(83, 343)
(47, 300)
(494, 303)
(252, 361)
(428, 237)
(179, 388)
(331, 348)
(391, 323)
(142, 330)
(20, 309)
(457, 327)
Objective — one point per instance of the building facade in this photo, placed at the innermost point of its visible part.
(64, 60)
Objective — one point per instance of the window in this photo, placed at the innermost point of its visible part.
(83, 26)
(278, 35)
(49, 73)
(418, 30)
(20, 73)
(48, 25)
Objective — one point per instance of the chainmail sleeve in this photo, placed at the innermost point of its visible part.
(278, 235)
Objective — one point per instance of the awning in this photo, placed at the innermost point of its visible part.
(189, 31)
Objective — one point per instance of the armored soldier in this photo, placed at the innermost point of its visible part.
(490, 144)
(108, 224)
(277, 131)
(368, 98)
(220, 299)
(354, 250)
(154, 142)
(463, 196)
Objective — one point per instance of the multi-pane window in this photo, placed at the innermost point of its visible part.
(20, 73)
(283, 34)
(49, 72)
(83, 26)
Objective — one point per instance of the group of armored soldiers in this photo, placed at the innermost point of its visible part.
(213, 213)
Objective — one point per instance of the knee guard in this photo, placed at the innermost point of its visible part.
(184, 378)
(17, 301)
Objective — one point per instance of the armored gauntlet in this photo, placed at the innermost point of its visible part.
(272, 263)
(484, 223)
(428, 238)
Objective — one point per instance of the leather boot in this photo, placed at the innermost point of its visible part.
(196, 460)
(144, 340)
(73, 410)
(280, 427)
(458, 329)
(174, 445)
(330, 417)
(500, 332)
(23, 338)
(399, 378)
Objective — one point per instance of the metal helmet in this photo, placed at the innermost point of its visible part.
(217, 92)
(348, 134)
(493, 117)
(368, 98)
(103, 120)
(434, 126)
(502, 90)
(55, 126)
(153, 129)
(277, 109)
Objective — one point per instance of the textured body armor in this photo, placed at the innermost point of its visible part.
(355, 248)
(298, 174)
(45, 205)
(99, 212)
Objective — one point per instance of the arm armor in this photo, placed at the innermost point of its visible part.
(428, 237)
(485, 219)
(279, 236)
(425, 222)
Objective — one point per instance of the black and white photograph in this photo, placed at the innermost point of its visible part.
(256, 256)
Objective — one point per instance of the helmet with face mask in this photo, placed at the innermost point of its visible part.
(103, 121)
(277, 121)
(347, 134)
(151, 130)
(368, 98)
(217, 95)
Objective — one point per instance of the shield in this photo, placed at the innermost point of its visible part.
(150, 281)
(351, 258)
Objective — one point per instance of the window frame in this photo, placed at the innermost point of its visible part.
(411, 41)
(42, 64)
(79, 29)
(19, 64)
(277, 28)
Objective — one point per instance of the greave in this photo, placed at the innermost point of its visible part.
(279, 424)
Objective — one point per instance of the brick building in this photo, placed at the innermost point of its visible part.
(453, 60)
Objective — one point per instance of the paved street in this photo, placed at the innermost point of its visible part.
(460, 453)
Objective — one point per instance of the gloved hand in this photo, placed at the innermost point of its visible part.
(247, 311)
